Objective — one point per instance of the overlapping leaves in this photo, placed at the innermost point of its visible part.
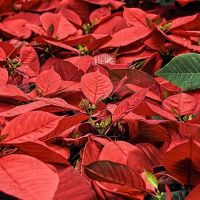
(78, 89)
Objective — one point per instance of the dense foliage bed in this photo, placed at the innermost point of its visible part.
(99, 99)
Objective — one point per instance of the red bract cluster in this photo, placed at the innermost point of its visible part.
(82, 115)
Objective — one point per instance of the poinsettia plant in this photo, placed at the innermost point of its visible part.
(99, 99)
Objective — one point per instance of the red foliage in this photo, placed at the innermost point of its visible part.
(82, 115)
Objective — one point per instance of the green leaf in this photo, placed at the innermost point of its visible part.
(165, 2)
(175, 195)
(151, 178)
(183, 71)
